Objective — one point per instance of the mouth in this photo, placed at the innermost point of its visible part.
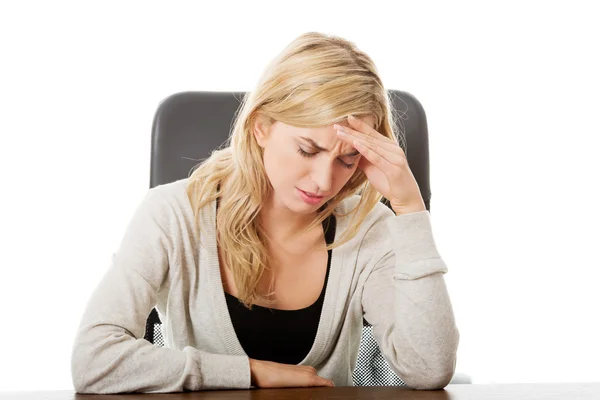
(312, 200)
(311, 194)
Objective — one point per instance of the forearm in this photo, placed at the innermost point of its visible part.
(107, 360)
(110, 356)
(425, 332)
(407, 302)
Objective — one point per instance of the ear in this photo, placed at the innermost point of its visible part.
(260, 130)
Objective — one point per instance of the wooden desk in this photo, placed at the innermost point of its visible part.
(525, 391)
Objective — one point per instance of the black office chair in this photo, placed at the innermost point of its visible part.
(188, 126)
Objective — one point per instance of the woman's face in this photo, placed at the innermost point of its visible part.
(313, 160)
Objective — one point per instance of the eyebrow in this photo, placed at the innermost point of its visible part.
(316, 146)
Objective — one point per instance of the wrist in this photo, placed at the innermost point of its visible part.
(409, 207)
(408, 210)
(253, 366)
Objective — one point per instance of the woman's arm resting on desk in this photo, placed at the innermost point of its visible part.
(406, 300)
(109, 354)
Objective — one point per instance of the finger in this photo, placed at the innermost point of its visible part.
(375, 158)
(372, 152)
(368, 133)
(309, 368)
(359, 125)
(319, 381)
(390, 151)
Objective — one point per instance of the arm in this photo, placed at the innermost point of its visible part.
(406, 300)
(109, 353)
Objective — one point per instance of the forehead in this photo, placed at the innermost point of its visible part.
(370, 120)
(324, 138)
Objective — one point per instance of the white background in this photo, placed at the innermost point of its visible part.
(511, 95)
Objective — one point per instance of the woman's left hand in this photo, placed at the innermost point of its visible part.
(384, 163)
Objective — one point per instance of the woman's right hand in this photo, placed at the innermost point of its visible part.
(268, 374)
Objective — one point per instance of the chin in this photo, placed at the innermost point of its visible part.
(297, 205)
(301, 207)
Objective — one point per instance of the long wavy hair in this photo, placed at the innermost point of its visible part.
(317, 80)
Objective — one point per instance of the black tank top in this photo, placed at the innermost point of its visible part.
(283, 336)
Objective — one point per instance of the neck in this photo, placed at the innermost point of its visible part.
(284, 225)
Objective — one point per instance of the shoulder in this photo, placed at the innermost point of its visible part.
(170, 191)
(169, 204)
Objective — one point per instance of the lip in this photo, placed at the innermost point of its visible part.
(309, 199)
(311, 194)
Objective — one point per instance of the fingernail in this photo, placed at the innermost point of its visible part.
(351, 117)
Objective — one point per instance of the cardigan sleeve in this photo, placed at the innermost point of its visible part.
(406, 300)
(110, 354)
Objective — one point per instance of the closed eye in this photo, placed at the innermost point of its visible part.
(305, 154)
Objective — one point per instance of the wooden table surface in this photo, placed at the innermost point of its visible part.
(519, 391)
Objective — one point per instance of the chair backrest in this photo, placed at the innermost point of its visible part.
(189, 126)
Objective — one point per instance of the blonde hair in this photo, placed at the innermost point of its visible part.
(316, 81)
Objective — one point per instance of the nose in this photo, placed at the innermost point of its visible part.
(322, 174)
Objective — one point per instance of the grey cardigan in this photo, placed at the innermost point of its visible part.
(390, 272)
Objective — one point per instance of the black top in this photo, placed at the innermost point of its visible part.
(283, 336)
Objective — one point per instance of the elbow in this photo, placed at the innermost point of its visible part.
(82, 367)
(81, 382)
(81, 385)
(433, 377)
(439, 371)
(428, 380)
(96, 361)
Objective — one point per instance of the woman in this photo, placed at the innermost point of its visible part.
(263, 263)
